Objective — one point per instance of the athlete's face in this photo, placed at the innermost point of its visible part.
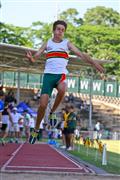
(59, 31)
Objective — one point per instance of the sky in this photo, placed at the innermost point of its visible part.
(24, 12)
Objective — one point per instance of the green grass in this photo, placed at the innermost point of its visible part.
(113, 159)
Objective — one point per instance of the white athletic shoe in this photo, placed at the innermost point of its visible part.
(70, 149)
(63, 147)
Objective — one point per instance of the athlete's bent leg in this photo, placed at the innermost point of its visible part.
(41, 110)
(62, 87)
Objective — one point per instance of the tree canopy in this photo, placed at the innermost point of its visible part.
(101, 15)
(97, 33)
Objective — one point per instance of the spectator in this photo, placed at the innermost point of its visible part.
(63, 127)
(10, 99)
(71, 126)
(32, 123)
(21, 127)
(77, 134)
(97, 126)
(71, 98)
(15, 128)
(6, 118)
(27, 124)
(98, 130)
(1, 105)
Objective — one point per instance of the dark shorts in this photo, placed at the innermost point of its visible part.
(21, 129)
(70, 131)
(50, 81)
(66, 131)
(53, 122)
(4, 127)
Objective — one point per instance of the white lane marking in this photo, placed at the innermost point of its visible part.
(80, 167)
(11, 158)
(41, 167)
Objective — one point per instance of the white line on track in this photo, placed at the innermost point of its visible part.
(67, 157)
(11, 158)
(79, 166)
(40, 167)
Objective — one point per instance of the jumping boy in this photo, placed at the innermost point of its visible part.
(55, 71)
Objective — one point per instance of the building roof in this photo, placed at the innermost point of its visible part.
(13, 58)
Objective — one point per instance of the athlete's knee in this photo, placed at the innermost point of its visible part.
(62, 87)
(61, 91)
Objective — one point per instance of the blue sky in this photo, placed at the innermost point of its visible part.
(24, 12)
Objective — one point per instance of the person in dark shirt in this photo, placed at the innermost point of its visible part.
(71, 126)
(6, 117)
(10, 99)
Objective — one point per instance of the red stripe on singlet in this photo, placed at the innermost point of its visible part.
(57, 55)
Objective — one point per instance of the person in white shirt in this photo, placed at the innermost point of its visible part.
(27, 124)
(15, 128)
(21, 127)
(98, 130)
(32, 123)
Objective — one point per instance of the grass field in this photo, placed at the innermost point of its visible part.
(112, 145)
(93, 156)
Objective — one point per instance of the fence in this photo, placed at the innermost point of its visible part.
(75, 84)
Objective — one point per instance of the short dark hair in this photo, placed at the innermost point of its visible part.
(59, 22)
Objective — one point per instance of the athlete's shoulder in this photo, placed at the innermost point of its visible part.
(65, 40)
(49, 40)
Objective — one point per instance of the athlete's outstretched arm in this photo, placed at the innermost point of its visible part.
(37, 54)
(85, 57)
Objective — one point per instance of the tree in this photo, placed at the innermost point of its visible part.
(40, 32)
(101, 43)
(101, 15)
(15, 35)
(71, 16)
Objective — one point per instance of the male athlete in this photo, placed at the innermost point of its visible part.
(57, 57)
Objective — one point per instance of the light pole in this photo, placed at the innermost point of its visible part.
(18, 87)
(89, 74)
(90, 101)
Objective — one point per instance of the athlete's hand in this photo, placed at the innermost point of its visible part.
(99, 67)
(30, 56)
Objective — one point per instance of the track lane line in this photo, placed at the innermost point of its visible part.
(67, 157)
(41, 167)
(11, 158)
(87, 170)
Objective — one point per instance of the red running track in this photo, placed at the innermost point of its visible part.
(37, 157)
